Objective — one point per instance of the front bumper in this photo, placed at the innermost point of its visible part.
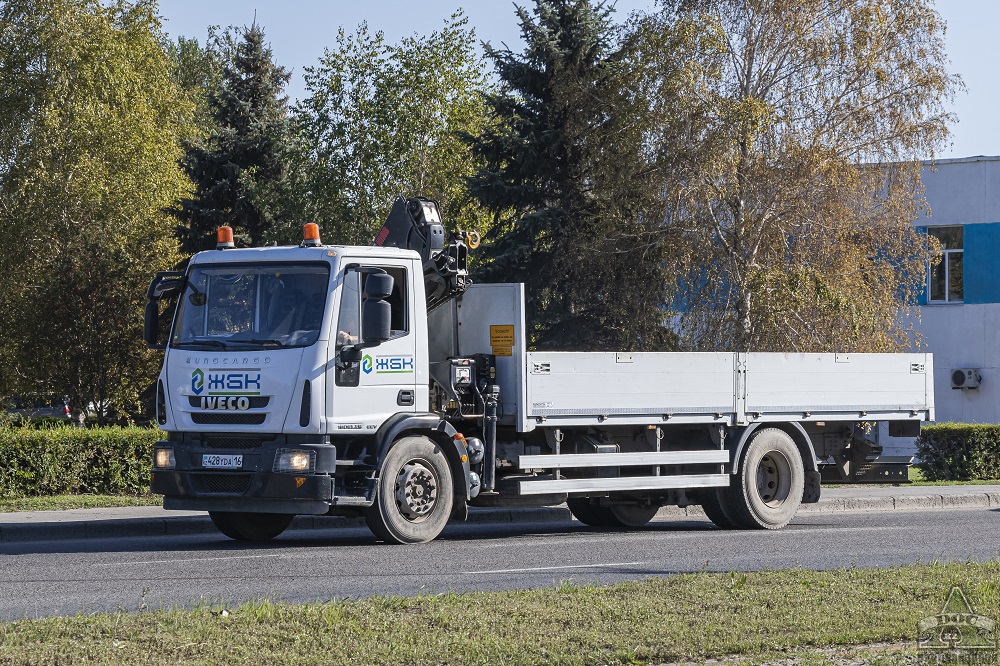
(254, 486)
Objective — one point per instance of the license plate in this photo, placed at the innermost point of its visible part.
(221, 462)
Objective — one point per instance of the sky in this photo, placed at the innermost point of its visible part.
(299, 30)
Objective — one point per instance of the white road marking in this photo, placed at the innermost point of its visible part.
(183, 561)
(569, 566)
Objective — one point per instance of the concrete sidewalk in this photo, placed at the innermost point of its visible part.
(154, 521)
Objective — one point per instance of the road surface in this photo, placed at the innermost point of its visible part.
(64, 577)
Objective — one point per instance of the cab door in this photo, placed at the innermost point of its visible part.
(363, 392)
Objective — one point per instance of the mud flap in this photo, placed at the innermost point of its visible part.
(461, 511)
(810, 494)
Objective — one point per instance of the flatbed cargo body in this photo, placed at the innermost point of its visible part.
(584, 388)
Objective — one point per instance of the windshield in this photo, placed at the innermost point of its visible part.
(231, 306)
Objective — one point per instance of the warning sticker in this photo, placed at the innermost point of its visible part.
(502, 336)
(503, 351)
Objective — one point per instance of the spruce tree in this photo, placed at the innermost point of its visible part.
(240, 169)
(567, 179)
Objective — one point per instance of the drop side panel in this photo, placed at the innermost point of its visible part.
(584, 388)
(838, 386)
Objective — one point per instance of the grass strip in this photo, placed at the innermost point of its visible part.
(62, 502)
(684, 618)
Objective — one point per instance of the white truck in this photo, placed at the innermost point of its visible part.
(378, 381)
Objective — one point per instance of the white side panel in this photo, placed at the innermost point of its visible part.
(877, 384)
(689, 387)
(483, 306)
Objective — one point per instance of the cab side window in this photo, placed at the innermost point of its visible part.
(349, 321)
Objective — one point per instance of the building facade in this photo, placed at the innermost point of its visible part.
(959, 312)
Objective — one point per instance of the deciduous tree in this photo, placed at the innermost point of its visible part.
(91, 125)
(382, 120)
(798, 181)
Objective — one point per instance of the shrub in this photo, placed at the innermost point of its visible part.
(65, 460)
(959, 452)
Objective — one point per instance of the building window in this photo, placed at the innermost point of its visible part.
(947, 277)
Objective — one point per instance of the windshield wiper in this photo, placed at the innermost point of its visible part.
(218, 344)
(262, 343)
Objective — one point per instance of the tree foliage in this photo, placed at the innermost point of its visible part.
(573, 176)
(240, 169)
(382, 120)
(796, 181)
(91, 124)
(197, 70)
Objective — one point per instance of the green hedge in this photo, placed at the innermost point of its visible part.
(64, 460)
(959, 452)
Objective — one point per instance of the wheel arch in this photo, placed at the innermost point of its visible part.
(794, 430)
(804, 444)
(437, 430)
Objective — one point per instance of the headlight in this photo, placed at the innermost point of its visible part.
(164, 459)
(295, 461)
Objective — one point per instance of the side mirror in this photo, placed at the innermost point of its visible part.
(378, 286)
(151, 324)
(165, 285)
(376, 321)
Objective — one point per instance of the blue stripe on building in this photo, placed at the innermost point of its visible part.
(982, 263)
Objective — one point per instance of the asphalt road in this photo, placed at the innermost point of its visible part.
(64, 577)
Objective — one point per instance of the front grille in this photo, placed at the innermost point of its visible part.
(212, 418)
(256, 401)
(229, 484)
(232, 442)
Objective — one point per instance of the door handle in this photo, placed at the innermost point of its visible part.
(405, 398)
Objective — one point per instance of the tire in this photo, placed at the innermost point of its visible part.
(414, 495)
(591, 514)
(250, 526)
(612, 516)
(633, 515)
(716, 504)
(768, 489)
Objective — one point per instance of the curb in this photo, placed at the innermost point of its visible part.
(186, 525)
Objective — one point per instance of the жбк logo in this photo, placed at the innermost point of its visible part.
(198, 381)
(383, 365)
(226, 383)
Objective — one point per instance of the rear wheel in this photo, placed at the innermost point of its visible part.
(715, 502)
(415, 493)
(610, 516)
(250, 526)
(591, 514)
(633, 515)
(768, 489)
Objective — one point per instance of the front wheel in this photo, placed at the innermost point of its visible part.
(767, 491)
(250, 526)
(415, 493)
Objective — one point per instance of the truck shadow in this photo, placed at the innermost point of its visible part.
(334, 537)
